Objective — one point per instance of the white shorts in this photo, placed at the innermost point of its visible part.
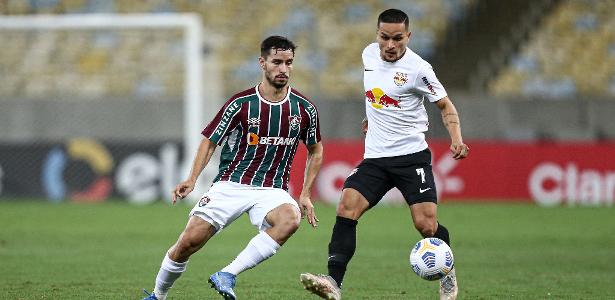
(226, 201)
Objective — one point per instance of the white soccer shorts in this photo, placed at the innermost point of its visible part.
(226, 201)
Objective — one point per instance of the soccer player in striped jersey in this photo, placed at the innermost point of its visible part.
(259, 130)
(396, 83)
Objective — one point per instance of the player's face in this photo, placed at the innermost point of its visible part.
(393, 39)
(277, 67)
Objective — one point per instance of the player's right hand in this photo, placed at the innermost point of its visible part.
(182, 190)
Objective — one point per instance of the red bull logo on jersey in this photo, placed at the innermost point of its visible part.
(379, 99)
(254, 140)
(400, 78)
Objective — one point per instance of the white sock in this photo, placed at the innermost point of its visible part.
(260, 247)
(168, 273)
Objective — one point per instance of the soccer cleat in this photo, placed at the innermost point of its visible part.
(224, 283)
(321, 285)
(448, 286)
(151, 296)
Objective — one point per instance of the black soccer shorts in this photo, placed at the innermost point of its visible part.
(410, 173)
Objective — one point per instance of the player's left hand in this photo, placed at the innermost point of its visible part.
(460, 150)
(307, 210)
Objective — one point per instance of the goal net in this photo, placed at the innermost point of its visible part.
(98, 106)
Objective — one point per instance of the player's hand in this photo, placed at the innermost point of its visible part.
(459, 150)
(307, 210)
(182, 190)
(364, 126)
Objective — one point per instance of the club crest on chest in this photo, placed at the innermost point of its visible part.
(400, 78)
(294, 121)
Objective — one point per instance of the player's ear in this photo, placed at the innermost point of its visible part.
(261, 61)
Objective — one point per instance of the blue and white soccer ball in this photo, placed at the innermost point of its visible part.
(431, 259)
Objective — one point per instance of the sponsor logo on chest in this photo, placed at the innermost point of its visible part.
(379, 99)
(254, 140)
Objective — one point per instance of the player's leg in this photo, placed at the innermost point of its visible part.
(282, 222)
(414, 178)
(343, 241)
(362, 190)
(425, 221)
(220, 206)
(194, 236)
(424, 217)
(276, 215)
(341, 247)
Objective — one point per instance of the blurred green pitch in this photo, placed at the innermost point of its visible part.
(112, 250)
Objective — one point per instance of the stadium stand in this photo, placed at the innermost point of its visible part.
(330, 36)
(564, 49)
(572, 53)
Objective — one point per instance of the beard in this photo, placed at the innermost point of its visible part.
(395, 56)
(277, 83)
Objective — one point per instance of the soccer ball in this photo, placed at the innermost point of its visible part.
(431, 258)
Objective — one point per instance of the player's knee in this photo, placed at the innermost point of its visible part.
(291, 225)
(289, 221)
(426, 226)
(344, 210)
(352, 205)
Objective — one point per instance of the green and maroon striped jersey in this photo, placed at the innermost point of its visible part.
(260, 138)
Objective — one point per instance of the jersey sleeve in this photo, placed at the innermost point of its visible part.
(223, 123)
(369, 57)
(311, 135)
(428, 85)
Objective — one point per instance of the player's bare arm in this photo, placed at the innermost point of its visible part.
(203, 155)
(312, 166)
(450, 118)
(364, 126)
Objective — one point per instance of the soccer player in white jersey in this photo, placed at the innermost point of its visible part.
(259, 130)
(397, 82)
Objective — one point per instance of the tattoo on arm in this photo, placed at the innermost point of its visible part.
(450, 119)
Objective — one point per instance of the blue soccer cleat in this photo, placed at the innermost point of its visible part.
(151, 296)
(224, 283)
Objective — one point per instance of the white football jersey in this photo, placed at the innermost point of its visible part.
(394, 95)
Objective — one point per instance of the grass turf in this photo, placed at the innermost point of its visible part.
(112, 250)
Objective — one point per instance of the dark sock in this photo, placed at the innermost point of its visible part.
(442, 233)
(342, 247)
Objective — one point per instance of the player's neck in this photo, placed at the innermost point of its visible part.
(271, 93)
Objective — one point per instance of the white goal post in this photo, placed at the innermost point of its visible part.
(192, 26)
